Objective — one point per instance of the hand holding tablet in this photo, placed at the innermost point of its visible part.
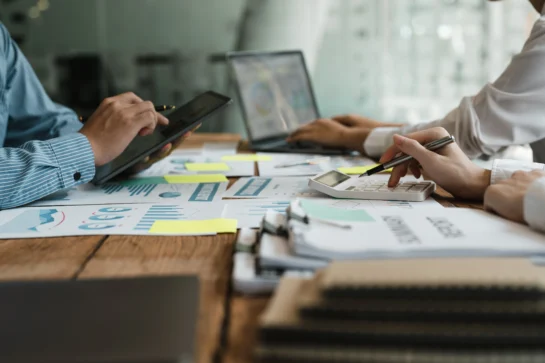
(181, 121)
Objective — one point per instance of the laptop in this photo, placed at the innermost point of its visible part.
(126, 320)
(276, 98)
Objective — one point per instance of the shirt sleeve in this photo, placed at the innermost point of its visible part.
(40, 168)
(503, 169)
(506, 112)
(534, 205)
(32, 114)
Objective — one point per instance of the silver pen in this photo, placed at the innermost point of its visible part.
(434, 145)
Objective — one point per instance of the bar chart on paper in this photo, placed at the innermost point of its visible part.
(163, 212)
(134, 190)
(249, 213)
(121, 193)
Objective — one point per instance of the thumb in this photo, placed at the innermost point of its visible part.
(413, 148)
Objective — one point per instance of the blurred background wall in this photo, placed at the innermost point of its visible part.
(399, 60)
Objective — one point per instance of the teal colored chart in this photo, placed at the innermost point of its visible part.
(36, 220)
(149, 181)
(326, 212)
(261, 208)
(163, 212)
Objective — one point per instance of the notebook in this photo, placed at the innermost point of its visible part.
(282, 324)
(313, 304)
(320, 354)
(439, 278)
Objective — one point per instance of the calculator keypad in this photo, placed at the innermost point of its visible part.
(380, 186)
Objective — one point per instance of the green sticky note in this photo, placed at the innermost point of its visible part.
(207, 167)
(208, 226)
(357, 170)
(142, 181)
(327, 212)
(201, 178)
(246, 157)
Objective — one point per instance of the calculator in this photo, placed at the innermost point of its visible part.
(339, 185)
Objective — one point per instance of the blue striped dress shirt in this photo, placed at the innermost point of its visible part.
(41, 150)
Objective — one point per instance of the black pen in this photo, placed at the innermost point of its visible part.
(159, 108)
(434, 145)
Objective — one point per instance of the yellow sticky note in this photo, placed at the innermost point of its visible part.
(246, 157)
(201, 178)
(208, 226)
(356, 170)
(207, 167)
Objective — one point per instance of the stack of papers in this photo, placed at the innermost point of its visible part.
(313, 232)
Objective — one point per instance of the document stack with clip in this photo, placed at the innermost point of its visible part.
(472, 310)
(262, 257)
(312, 233)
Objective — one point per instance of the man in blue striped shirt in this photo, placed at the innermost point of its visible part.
(42, 146)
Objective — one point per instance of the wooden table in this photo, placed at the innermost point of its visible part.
(227, 322)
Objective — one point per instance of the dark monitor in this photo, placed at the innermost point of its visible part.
(143, 320)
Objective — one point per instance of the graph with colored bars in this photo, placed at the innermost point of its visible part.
(261, 208)
(161, 212)
(134, 190)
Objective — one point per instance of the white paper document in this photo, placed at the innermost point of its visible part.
(175, 164)
(272, 188)
(284, 188)
(356, 204)
(220, 148)
(396, 233)
(125, 219)
(119, 193)
(268, 168)
(250, 213)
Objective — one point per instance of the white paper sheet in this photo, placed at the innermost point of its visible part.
(272, 188)
(125, 219)
(355, 204)
(396, 233)
(125, 194)
(267, 168)
(175, 165)
(282, 187)
(250, 213)
(220, 149)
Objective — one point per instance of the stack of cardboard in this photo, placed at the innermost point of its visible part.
(411, 311)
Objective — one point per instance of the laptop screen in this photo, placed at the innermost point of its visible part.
(275, 92)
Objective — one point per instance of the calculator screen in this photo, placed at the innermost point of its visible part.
(332, 179)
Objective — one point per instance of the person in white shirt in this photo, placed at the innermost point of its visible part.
(512, 189)
(510, 111)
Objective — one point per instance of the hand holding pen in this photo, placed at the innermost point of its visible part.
(432, 146)
(447, 166)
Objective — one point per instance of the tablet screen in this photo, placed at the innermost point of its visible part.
(180, 121)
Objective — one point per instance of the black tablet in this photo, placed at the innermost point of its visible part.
(182, 120)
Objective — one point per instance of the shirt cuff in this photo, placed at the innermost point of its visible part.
(75, 158)
(503, 169)
(379, 140)
(534, 205)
